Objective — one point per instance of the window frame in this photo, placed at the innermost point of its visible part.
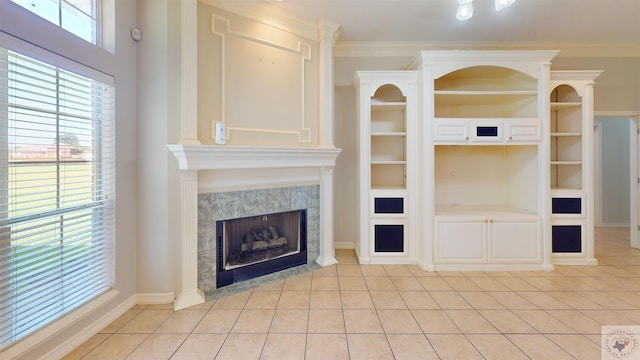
(94, 18)
(7, 44)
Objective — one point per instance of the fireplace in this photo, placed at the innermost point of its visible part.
(250, 247)
(225, 182)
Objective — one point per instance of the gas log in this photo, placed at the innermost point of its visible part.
(263, 239)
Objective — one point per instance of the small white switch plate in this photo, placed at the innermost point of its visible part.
(220, 134)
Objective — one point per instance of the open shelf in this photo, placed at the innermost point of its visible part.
(486, 78)
(485, 92)
(566, 138)
(486, 175)
(388, 137)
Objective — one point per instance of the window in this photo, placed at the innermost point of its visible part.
(56, 192)
(79, 17)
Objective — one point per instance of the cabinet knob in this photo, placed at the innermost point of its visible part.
(466, 138)
(510, 138)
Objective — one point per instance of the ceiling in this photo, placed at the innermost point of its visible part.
(581, 22)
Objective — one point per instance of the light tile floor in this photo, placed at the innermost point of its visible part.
(351, 311)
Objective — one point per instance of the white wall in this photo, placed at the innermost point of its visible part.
(121, 65)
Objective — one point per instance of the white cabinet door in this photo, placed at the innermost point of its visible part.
(523, 130)
(515, 240)
(461, 240)
(450, 130)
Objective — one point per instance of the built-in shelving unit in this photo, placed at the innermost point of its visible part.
(484, 204)
(494, 172)
(387, 118)
(571, 166)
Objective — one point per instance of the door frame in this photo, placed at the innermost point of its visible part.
(634, 166)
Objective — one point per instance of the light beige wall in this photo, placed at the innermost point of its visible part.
(152, 265)
(345, 175)
(262, 82)
(616, 89)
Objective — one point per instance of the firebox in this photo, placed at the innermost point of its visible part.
(253, 246)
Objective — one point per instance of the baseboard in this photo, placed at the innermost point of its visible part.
(155, 298)
(92, 329)
(23, 347)
(614, 225)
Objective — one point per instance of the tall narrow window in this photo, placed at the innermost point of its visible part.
(56, 193)
(79, 17)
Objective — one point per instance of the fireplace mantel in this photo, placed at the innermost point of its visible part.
(216, 157)
(195, 158)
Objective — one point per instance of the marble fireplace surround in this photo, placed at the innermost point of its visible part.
(213, 207)
(211, 169)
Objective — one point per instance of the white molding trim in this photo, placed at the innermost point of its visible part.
(23, 346)
(303, 51)
(328, 33)
(268, 15)
(155, 298)
(213, 157)
(73, 342)
(413, 48)
(188, 72)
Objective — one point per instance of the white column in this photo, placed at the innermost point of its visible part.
(588, 163)
(544, 165)
(189, 93)
(328, 33)
(189, 294)
(327, 252)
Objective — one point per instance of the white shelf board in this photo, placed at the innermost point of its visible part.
(482, 210)
(565, 105)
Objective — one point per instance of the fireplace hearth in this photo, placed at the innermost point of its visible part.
(253, 246)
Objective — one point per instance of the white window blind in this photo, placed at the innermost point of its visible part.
(56, 192)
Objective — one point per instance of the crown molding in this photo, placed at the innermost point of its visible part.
(267, 14)
(413, 48)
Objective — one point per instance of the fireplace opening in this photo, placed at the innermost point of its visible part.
(258, 245)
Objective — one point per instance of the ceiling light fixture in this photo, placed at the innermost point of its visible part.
(465, 10)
